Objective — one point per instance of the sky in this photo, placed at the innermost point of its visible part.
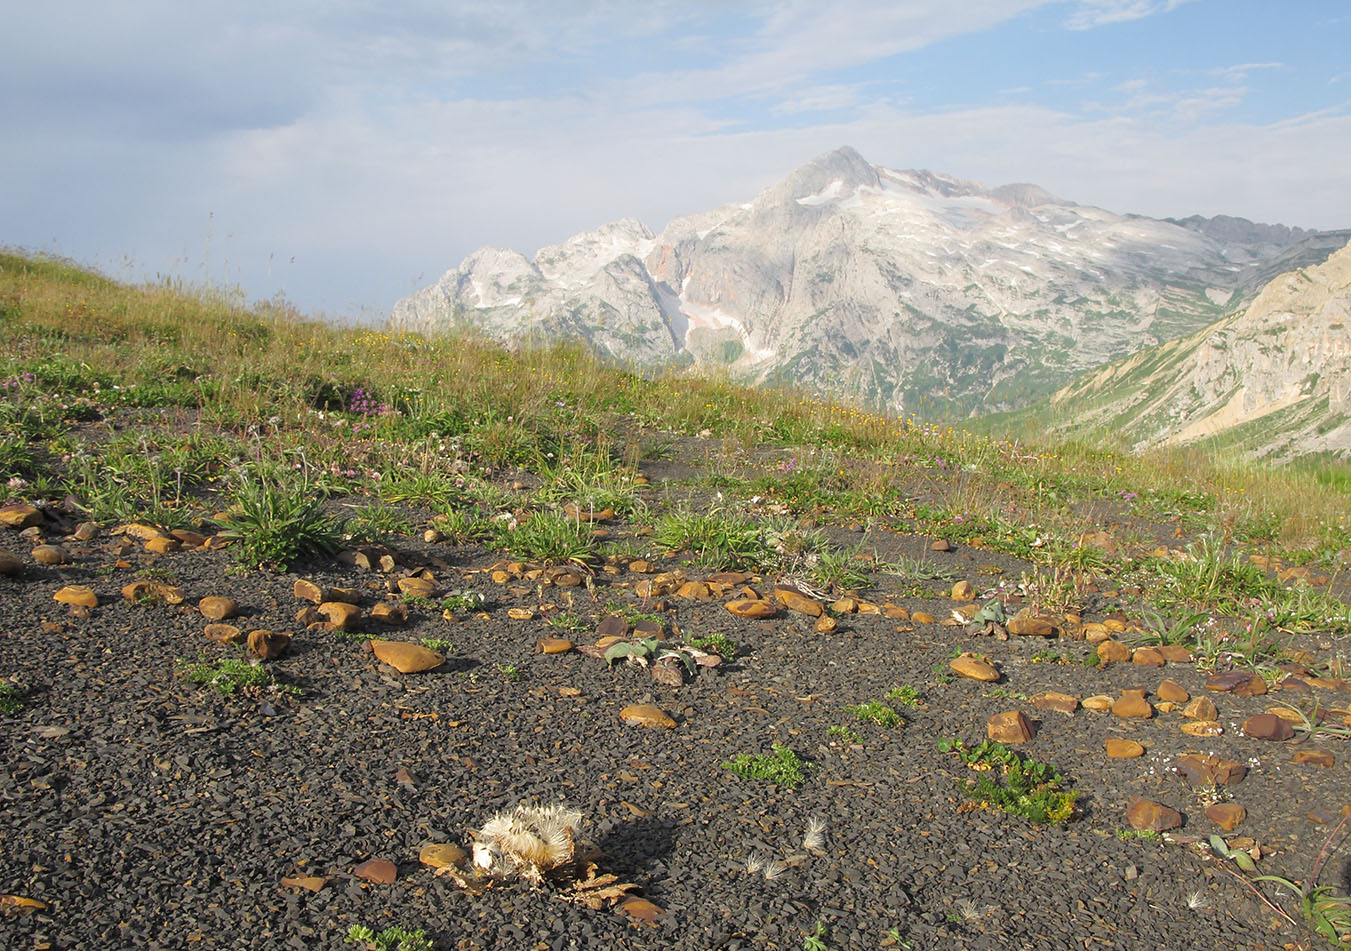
(343, 153)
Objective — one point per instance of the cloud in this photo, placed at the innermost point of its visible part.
(1095, 13)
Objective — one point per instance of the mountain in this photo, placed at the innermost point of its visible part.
(1273, 379)
(908, 290)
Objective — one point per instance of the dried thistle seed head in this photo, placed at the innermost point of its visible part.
(1196, 900)
(814, 837)
(755, 863)
(526, 841)
(774, 869)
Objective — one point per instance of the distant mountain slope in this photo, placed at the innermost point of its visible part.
(1274, 379)
(909, 290)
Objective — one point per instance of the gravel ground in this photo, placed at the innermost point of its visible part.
(146, 811)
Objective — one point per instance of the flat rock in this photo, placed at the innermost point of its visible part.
(339, 615)
(268, 645)
(799, 602)
(1147, 657)
(417, 587)
(222, 633)
(1054, 700)
(1132, 705)
(1119, 748)
(1203, 770)
(645, 714)
(19, 515)
(1113, 652)
(641, 909)
(1202, 708)
(406, 658)
(1175, 653)
(973, 667)
(552, 645)
(1202, 728)
(1029, 624)
(215, 607)
(378, 871)
(1226, 815)
(310, 883)
(693, 591)
(1098, 703)
(1009, 727)
(1146, 814)
(77, 595)
(1172, 692)
(748, 608)
(50, 555)
(1268, 726)
(1240, 683)
(162, 544)
(922, 617)
(612, 626)
(153, 591)
(441, 855)
(1316, 757)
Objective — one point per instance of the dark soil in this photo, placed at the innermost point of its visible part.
(149, 812)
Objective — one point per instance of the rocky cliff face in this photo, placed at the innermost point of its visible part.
(1274, 379)
(909, 290)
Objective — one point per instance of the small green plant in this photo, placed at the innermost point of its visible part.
(816, 941)
(509, 672)
(1029, 789)
(228, 675)
(876, 712)
(377, 521)
(717, 540)
(10, 701)
(462, 601)
(438, 644)
(275, 520)
(390, 939)
(717, 643)
(568, 623)
(548, 538)
(1142, 835)
(905, 695)
(847, 734)
(780, 766)
(1003, 693)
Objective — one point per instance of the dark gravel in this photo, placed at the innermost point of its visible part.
(148, 812)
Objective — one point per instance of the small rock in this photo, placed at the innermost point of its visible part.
(521, 614)
(1027, 623)
(1202, 708)
(268, 645)
(1267, 726)
(441, 855)
(223, 633)
(552, 645)
(1203, 770)
(1009, 727)
(825, 624)
(845, 605)
(1118, 748)
(1147, 657)
(77, 595)
(50, 555)
(1202, 728)
(310, 883)
(693, 591)
(339, 615)
(406, 658)
(1155, 816)
(969, 665)
(216, 607)
(1113, 652)
(1172, 692)
(19, 515)
(941, 545)
(309, 591)
(1132, 705)
(1175, 653)
(1053, 700)
(392, 613)
(86, 531)
(378, 871)
(417, 587)
(922, 617)
(645, 714)
(188, 538)
(799, 602)
(162, 544)
(1226, 815)
(1240, 683)
(752, 608)
(1316, 757)
(153, 590)
(612, 626)
(963, 591)
(641, 909)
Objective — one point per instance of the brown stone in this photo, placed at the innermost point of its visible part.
(406, 658)
(268, 645)
(552, 645)
(825, 624)
(1202, 728)
(1132, 705)
(1204, 770)
(1113, 652)
(641, 909)
(19, 515)
(86, 531)
(417, 587)
(188, 538)
(693, 591)
(223, 633)
(1226, 815)
(963, 591)
(1053, 700)
(1316, 757)
(310, 883)
(845, 605)
(153, 591)
(309, 591)
(162, 544)
(1201, 708)
(1175, 653)
(1146, 814)
(922, 617)
(1172, 692)
(521, 614)
(377, 871)
(339, 615)
(392, 613)
(1240, 683)
(798, 602)
(441, 855)
(941, 545)
(1267, 726)
(1009, 727)
(645, 714)
(752, 609)
(10, 563)
(216, 607)
(50, 555)
(1118, 748)
(138, 531)
(77, 595)
(1147, 657)
(1098, 703)
(969, 665)
(896, 612)
(612, 626)
(1026, 623)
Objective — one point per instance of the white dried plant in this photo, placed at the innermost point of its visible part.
(970, 911)
(1196, 900)
(755, 863)
(814, 837)
(774, 869)
(526, 842)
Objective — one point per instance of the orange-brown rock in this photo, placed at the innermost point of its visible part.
(1027, 623)
(189, 538)
(268, 645)
(19, 515)
(339, 615)
(1226, 815)
(77, 595)
(392, 613)
(752, 608)
(1009, 727)
(10, 563)
(1132, 705)
(1147, 657)
(1201, 708)
(215, 607)
(845, 605)
(693, 591)
(1202, 728)
(1241, 683)
(50, 555)
(1172, 692)
(1316, 757)
(417, 587)
(1146, 814)
(799, 602)
(222, 633)
(1098, 703)
(1267, 726)
(825, 624)
(1113, 652)
(441, 855)
(153, 591)
(406, 658)
(963, 591)
(1203, 770)
(378, 871)
(645, 714)
(309, 591)
(552, 645)
(921, 617)
(162, 544)
(1119, 748)
(1175, 653)
(1054, 700)
(969, 665)
(310, 883)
